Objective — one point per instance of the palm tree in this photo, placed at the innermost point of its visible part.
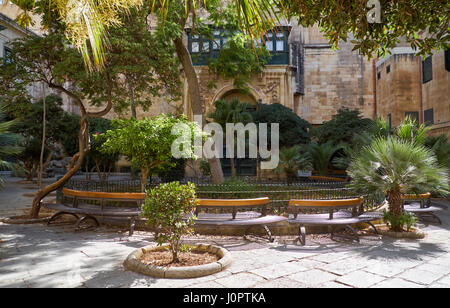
(395, 166)
(441, 148)
(231, 112)
(321, 155)
(8, 143)
(291, 161)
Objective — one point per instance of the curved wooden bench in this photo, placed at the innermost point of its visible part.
(79, 207)
(422, 208)
(237, 218)
(335, 217)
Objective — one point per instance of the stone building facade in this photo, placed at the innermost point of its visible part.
(411, 85)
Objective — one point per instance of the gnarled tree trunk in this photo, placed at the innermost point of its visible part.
(196, 101)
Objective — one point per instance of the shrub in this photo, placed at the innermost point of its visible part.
(170, 208)
(399, 222)
(293, 129)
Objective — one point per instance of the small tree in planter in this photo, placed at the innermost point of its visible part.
(397, 166)
(170, 208)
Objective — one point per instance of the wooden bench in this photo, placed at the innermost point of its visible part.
(234, 217)
(420, 205)
(340, 213)
(79, 207)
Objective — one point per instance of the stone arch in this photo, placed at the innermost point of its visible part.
(229, 91)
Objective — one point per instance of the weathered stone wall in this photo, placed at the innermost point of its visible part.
(436, 95)
(399, 90)
(402, 90)
(332, 78)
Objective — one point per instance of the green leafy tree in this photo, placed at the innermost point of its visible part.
(148, 142)
(342, 127)
(30, 123)
(422, 24)
(166, 208)
(293, 129)
(8, 143)
(230, 112)
(51, 60)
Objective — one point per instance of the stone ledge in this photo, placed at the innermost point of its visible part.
(133, 263)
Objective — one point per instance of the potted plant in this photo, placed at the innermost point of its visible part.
(170, 209)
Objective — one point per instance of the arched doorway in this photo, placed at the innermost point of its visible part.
(244, 166)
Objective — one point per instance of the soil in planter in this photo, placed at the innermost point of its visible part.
(164, 258)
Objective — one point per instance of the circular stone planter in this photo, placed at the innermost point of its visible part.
(414, 234)
(133, 263)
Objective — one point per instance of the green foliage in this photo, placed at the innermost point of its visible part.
(441, 149)
(291, 161)
(399, 222)
(293, 129)
(321, 155)
(8, 143)
(410, 131)
(342, 127)
(147, 142)
(230, 112)
(239, 62)
(170, 208)
(422, 24)
(144, 59)
(175, 173)
(392, 163)
(204, 168)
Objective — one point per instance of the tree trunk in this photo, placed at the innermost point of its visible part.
(74, 165)
(41, 159)
(396, 206)
(196, 101)
(132, 105)
(233, 168)
(144, 177)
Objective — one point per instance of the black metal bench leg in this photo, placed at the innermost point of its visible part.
(268, 233)
(82, 219)
(434, 216)
(132, 224)
(373, 227)
(60, 214)
(302, 235)
(354, 237)
(355, 233)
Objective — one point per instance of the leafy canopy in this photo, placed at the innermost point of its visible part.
(147, 142)
(293, 129)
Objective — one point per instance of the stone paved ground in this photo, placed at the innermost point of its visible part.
(55, 256)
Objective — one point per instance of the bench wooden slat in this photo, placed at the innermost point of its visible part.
(326, 203)
(416, 197)
(103, 195)
(233, 202)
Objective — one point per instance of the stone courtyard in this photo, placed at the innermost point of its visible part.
(56, 256)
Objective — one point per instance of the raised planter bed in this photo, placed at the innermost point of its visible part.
(133, 263)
